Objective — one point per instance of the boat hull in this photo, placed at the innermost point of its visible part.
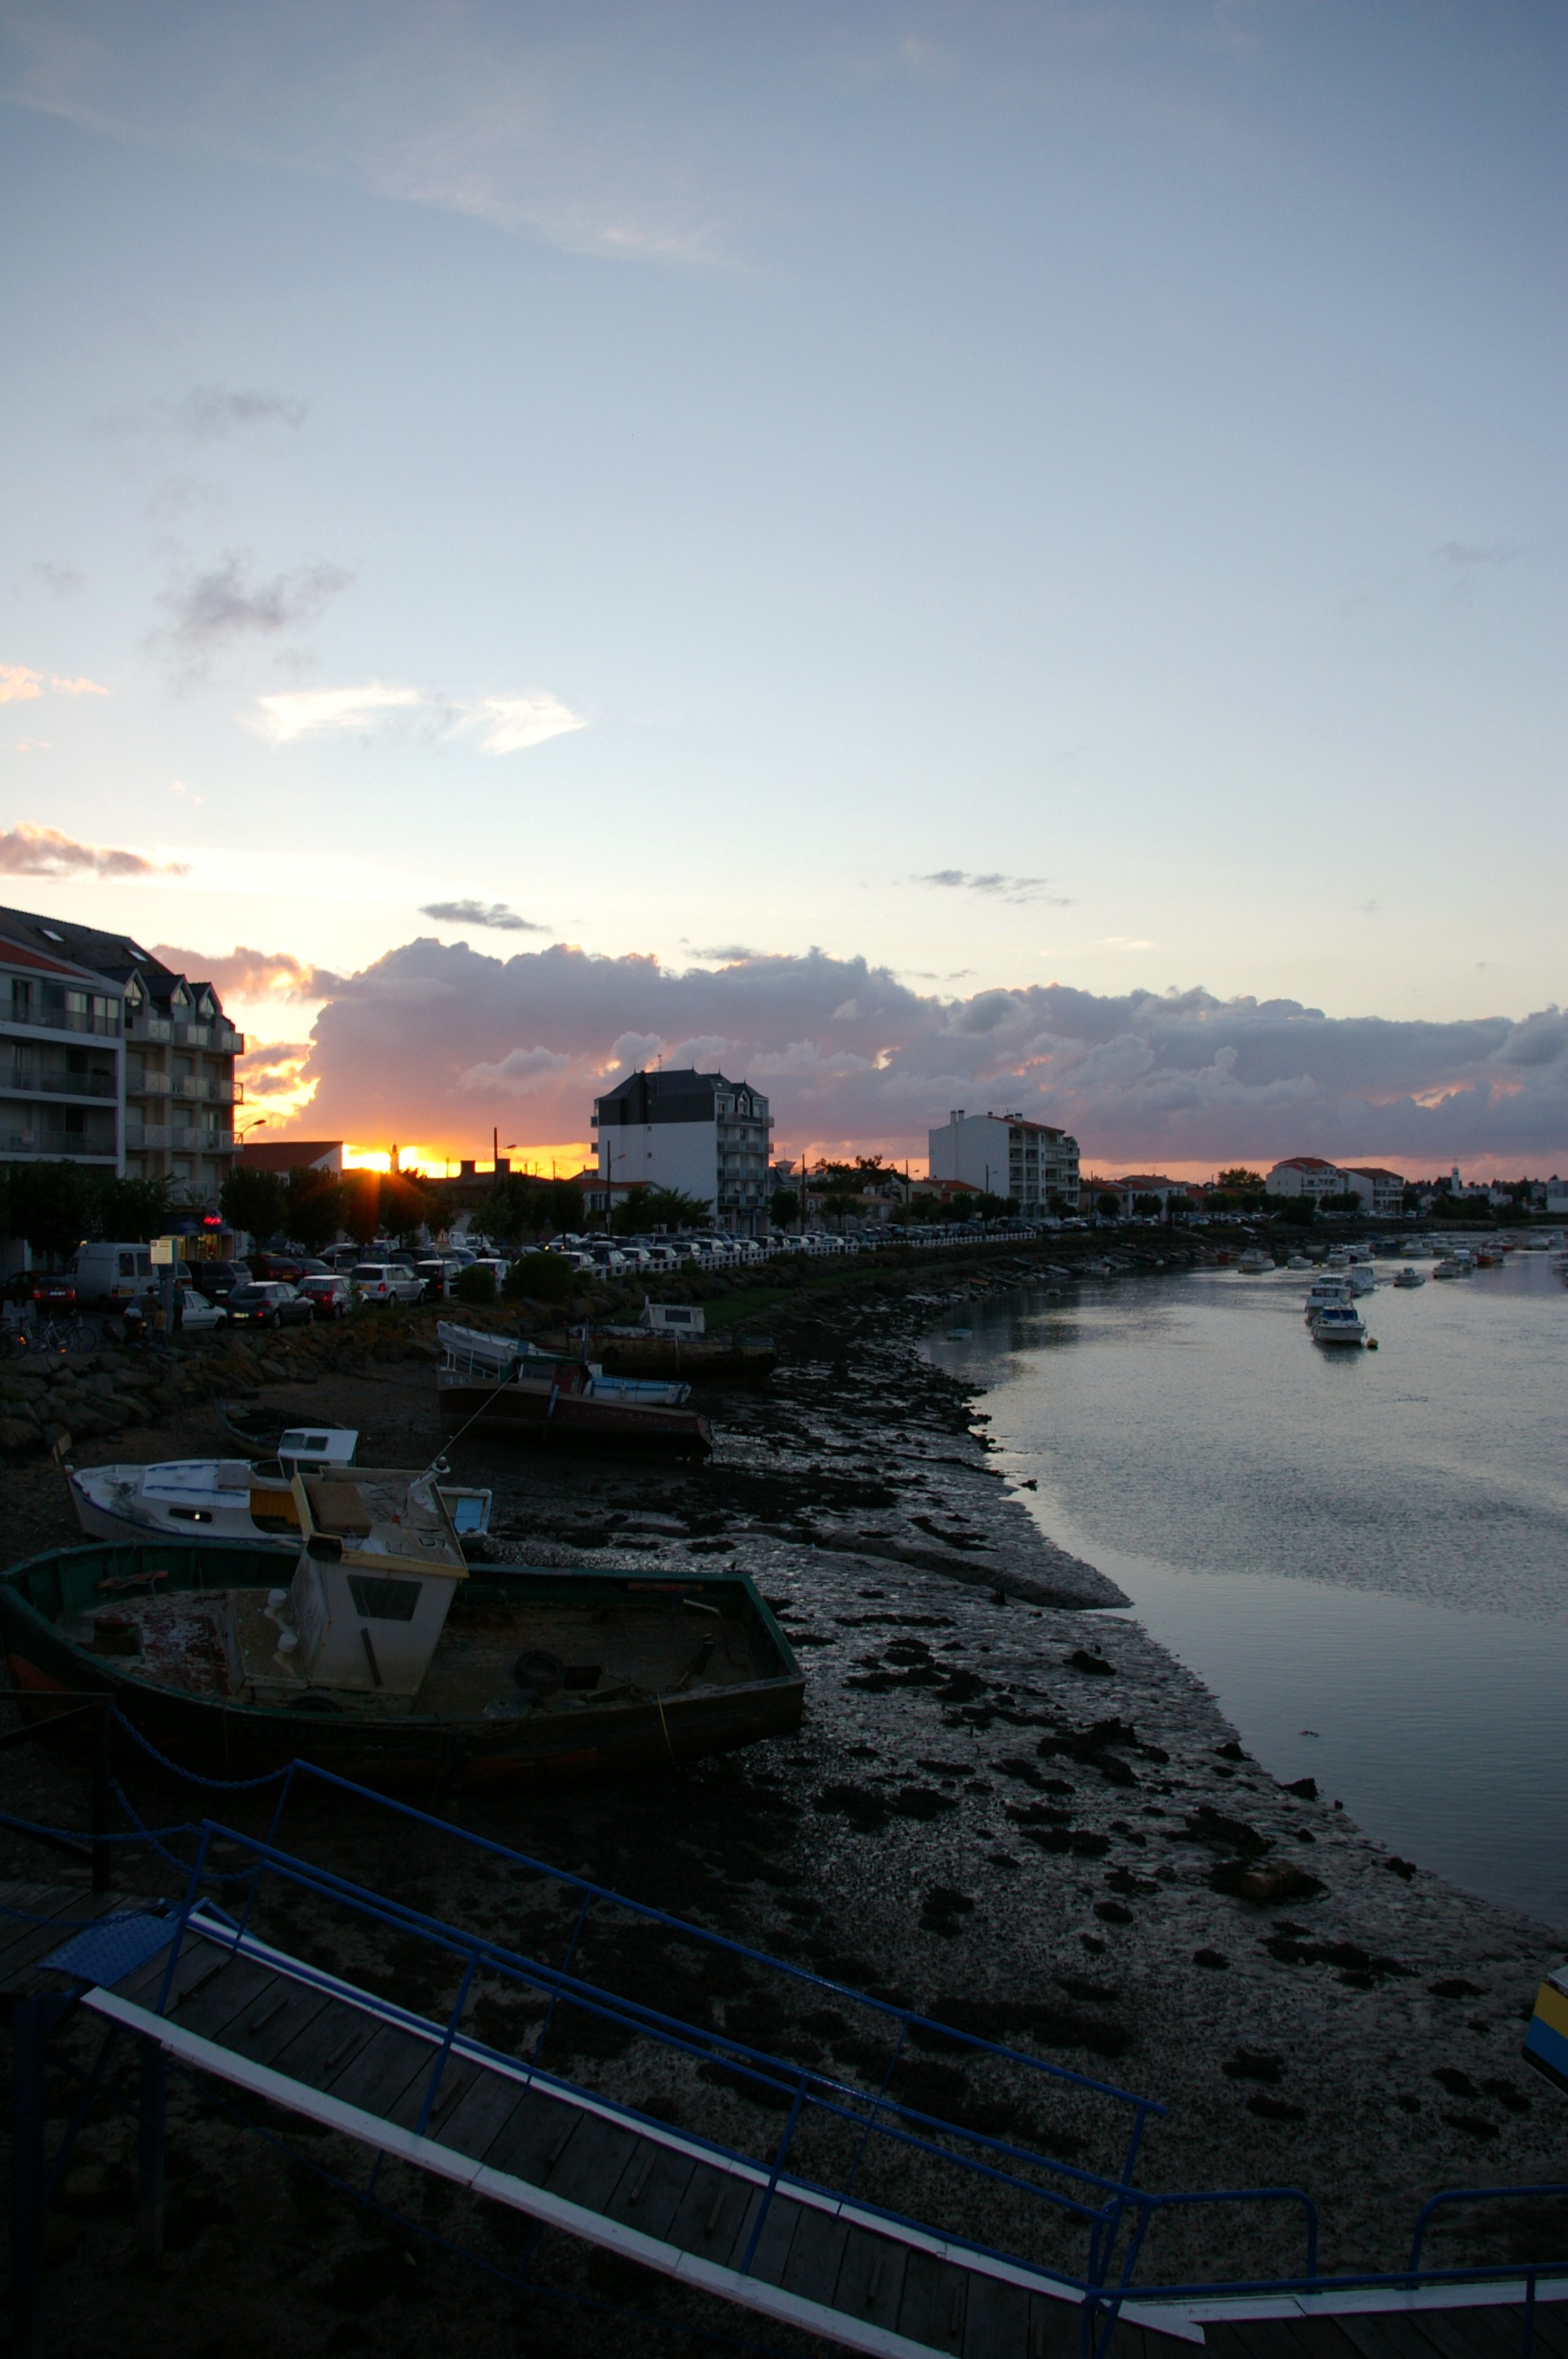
(416, 1754)
(565, 1420)
(697, 1359)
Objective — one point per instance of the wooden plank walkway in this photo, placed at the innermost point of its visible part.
(329, 2052)
(23, 1943)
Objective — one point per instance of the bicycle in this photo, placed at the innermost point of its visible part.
(65, 1336)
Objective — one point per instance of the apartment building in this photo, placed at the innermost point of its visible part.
(1306, 1175)
(1007, 1155)
(697, 1132)
(155, 1047)
(61, 1057)
(1381, 1191)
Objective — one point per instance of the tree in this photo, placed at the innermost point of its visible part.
(1240, 1177)
(253, 1201)
(647, 1208)
(361, 1213)
(1296, 1213)
(784, 1207)
(404, 1205)
(131, 1211)
(1108, 1205)
(1147, 1206)
(51, 1205)
(518, 1208)
(476, 1284)
(1347, 1200)
(314, 1210)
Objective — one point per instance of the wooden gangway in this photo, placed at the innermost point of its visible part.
(896, 2264)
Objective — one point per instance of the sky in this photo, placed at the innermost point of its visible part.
(1000, 554)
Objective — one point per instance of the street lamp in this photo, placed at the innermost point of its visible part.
(255, 1123)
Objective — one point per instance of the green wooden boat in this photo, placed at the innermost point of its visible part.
(537, 1678)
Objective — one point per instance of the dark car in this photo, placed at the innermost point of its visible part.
(269, 1303)
(435, 1274)
(218, 1280)
(286, 1268)
(44, 1290)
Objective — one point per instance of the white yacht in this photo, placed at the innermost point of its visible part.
(1328, 1293)
(1338, 1322)
(1255, 1261)
(1409, 1277)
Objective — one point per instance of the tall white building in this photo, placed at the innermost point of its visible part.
(1007, 1155)
(62, 1063)
(697, 1132)
(1306, 1175)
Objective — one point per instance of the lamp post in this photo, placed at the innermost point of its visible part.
(256, 1123)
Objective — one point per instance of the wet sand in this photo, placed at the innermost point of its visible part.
(1002, 1798)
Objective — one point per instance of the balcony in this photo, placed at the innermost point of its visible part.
(74, 1145)
(62, 1019)
(146, 1133)
(150, 1028)
(31, 1082)
(192, 1036)
(147, 1085)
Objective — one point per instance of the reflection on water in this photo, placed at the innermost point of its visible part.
(1372, 1547)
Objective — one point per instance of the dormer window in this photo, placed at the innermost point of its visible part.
(49, 934)
(179, 996)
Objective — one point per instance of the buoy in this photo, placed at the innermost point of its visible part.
(1371, 1343)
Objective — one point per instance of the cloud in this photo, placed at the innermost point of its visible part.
(26, 850)
(323, 712)
(851, 1056)
(60, 580)
(497, 915)
(209, 413)
(510, 725)
(242, 973)
(211, 610)
(503, 725)
(19, 684)
(1016, 889)
(1466, 557)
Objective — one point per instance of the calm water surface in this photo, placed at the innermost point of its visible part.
(1365, 1556)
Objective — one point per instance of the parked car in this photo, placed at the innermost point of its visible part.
(198, 1314)
(42, 1289)
(284, 1268)
(218, 1280)
(386, 1281)
(329, 1291)
(269, 1303)
(107, 1273)
(435, 1276)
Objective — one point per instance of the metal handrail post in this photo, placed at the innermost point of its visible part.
(1466, 2195)
(445, 2049)
(875, 2109)
(564, 1968)
(766, 2204)
(197, 1866)
(1528, 2346)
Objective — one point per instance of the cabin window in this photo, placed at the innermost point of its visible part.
(383, 1601)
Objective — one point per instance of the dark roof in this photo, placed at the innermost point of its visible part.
(682, 1094)
(117, 957)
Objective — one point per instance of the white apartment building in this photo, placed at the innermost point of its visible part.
(1306, 1175)
(697, 1132)
(154, 1051)
(1382, 1192)
(1007, 1155)
(63, 1094)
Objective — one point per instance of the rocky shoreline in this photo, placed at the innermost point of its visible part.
(1004, 1798)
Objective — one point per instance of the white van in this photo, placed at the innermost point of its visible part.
(112, 1273)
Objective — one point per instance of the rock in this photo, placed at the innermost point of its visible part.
(1265, 1886)
(96, 2186)
(1214, 1959)
(1252, 2064)
(271, 1371)
(19, 1437)
(1095, 1665)
(1305, 1787)
(1113, 1912)
(1275, 2109)
(57, 1437)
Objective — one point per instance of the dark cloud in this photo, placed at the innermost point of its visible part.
(209, 611)
(497, 915)
(1464, 556)
(1016, 889)
(849, 1054)
(210, 413)
(59, 580)
(28, 850)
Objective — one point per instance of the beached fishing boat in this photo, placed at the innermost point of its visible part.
(505, 1386)
(671, 1340)
(388, 1660)
(237, 1498)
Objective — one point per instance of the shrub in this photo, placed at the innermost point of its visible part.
(540, 1277)
(475, 1285)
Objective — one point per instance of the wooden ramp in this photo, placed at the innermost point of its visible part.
(331, 2053)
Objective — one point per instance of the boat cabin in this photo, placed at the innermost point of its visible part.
(317, 1449)
(376, 1575)
(673, 1318)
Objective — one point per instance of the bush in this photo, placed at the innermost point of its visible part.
(539, 1277)
(475, 1285)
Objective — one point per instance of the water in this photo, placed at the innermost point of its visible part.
(1365, 1556)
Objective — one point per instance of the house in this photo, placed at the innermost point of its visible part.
(287, 1154)
(1144, 1183)
(154, 1048)
(1007, 1155)
(697, 1132)
(1382, 1192)
(1306, 1175)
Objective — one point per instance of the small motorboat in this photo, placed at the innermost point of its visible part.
(239, 1498)
(1338, 1322)
(1255, 1262)
(1298, 1261)
(1408, 1278)
(1326, 1293)
(389, 1661)
(1338, 1259)
(1454, 1266)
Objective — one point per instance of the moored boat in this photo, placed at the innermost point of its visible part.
(1255, 1261)
(535, 1396)
(1338, 1322)
(1408, 1278)
(235, 1498)
(389, 1661)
